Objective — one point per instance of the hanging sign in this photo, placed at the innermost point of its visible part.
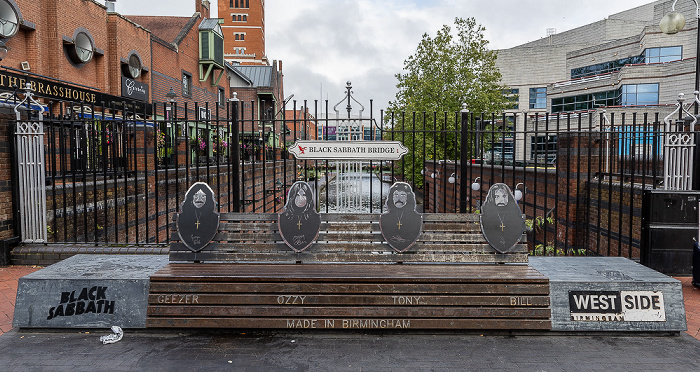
(348, 150)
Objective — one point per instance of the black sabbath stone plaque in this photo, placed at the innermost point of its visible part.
(299, 221)
(502, 221)
(198, 219)
(401, 224)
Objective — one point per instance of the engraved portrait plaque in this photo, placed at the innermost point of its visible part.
(502, 221)
(299, 221)
(401, 224)
(198, 219)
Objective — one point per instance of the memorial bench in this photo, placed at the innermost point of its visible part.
(247, 277)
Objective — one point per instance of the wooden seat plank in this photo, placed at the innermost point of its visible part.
(350, 323)
(198, 287)
(314, 298)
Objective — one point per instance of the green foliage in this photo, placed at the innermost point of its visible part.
(450, 69)
(447, 70)
(549, 250)
(537, 223)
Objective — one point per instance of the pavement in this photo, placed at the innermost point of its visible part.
(235, 350)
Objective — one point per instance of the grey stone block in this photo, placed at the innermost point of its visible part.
(631, 292)
(87, 291)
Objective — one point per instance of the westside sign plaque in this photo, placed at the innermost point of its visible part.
(348, 150)
(617, 306)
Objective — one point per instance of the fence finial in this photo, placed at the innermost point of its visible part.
(29, 97)
(464, 107)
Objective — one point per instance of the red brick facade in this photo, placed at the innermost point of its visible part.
(50, 27)
(244, 31)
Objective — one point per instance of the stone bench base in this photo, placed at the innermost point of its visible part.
(87, 291)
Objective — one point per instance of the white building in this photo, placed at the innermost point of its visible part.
(623, 63)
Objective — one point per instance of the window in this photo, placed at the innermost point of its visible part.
(543, 149)
(239, 36)
(664, 54)
(230, 4)
(132, 68)
(236, 36)
(186, 84)
(640, 94)
(639, 141)
(9, 19)
(512, 96)
(538, 98)
(588, 101)
(222, 96)
(245, 18)
(605, 67)
(82, 48)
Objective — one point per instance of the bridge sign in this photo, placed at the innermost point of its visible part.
(348, 150)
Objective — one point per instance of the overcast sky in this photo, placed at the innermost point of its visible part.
(324, 43)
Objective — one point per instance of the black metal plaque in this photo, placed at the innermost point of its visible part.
(198, 219)
(299, 221)
(502, 221)
(401, 224)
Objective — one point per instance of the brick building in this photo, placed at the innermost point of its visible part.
(97, 58)
(261, 92)
(301, 125)
(178, 63)
(244, 31)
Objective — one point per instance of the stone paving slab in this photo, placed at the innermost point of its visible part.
(9, 276)
(87, 291)
(691, 298)
(286, 351)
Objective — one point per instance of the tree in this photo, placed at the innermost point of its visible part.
(446, 71)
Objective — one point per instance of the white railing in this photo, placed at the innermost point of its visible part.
(678, 149)
(31, 171)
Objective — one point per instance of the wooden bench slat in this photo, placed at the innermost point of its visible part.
(355, 311)
(351, 323)
(286, 258)
(307, 299)
(202, 285)
(362, 272)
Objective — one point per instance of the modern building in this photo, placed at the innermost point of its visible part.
(623, 63)
(244, 31)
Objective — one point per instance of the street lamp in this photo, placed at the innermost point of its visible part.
(672, 23)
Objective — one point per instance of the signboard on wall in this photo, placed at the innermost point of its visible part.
(55, 90)
(134, 89)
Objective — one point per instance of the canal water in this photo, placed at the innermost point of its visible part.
(374, 193)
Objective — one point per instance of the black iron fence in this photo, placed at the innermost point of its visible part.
(116, 177)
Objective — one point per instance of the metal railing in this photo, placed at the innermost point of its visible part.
(118, 177)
